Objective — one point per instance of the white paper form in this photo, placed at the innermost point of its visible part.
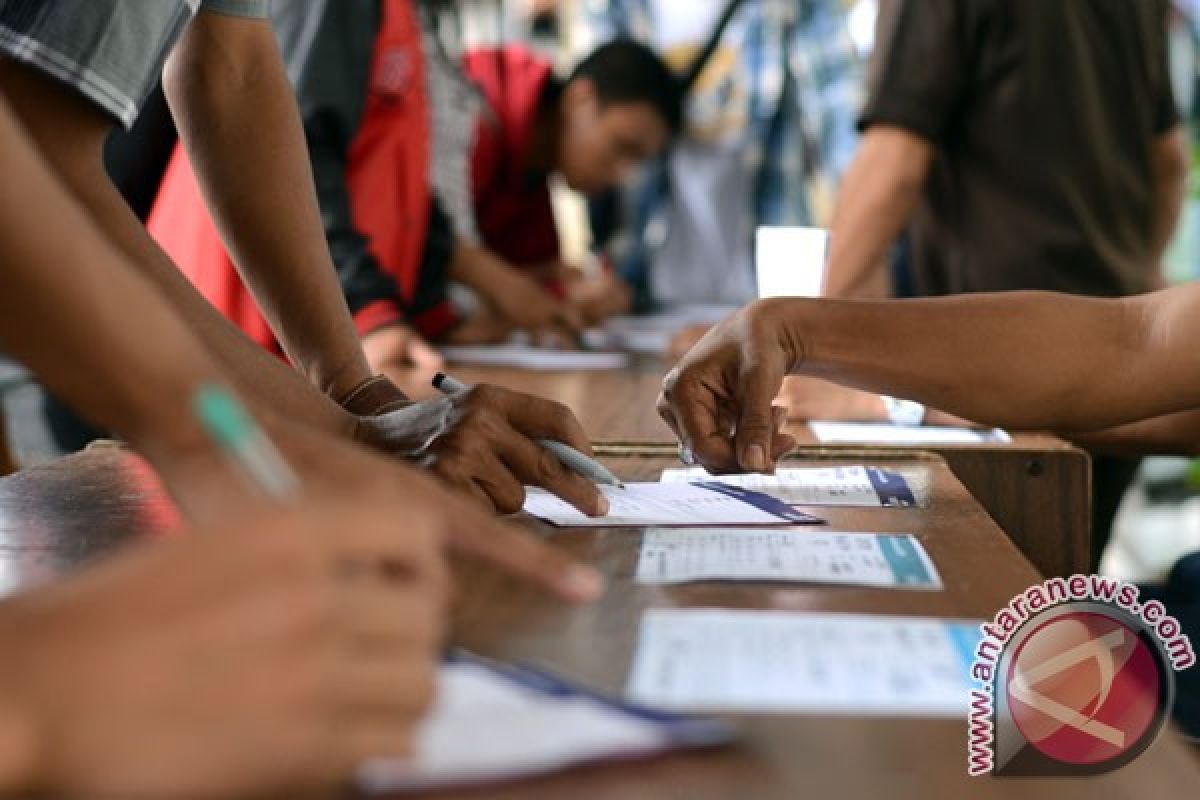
(863, 487)
(889, 560)
(489, 726)
(525, 356)
(880, 433)
(796, 662)
(669, 504)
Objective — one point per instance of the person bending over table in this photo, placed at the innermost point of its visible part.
(103, 339)
(237, 117)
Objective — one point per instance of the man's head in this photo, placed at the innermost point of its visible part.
(620, 106)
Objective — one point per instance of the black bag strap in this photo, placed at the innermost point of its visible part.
(688, 79)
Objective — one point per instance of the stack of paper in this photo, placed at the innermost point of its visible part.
(878, 433)
(785, 662)
(866, 487)
(492, 725)
(670, 504)
(729, 554)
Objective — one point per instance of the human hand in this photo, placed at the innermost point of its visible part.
(597, 297)
(206, 487)
(483, 441)
(718, 398)
(483, 326)
(524, 303)
(271, 654)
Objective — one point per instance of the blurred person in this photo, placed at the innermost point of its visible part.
(361, 79)
(237, 116)
(1020, 145)
(769, 128)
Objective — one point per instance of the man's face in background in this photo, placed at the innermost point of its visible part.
(600, 144)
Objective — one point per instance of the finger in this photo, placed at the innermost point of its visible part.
(781, 443)
(525, 556)
(536, 417)
(569, 318)
(398, 688)
(379, 613)
(668, 416)
(756, 417)
(410, 550)
(422, 354)
(496, 480)
(534, 465)
(376, 740)
(696, 409)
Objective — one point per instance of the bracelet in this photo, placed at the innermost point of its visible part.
(374, 397)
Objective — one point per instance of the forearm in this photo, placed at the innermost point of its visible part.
(1025, 360)
(881, 189)
(475, 267)
(237, 118)
(1174, 434)
(74, 312)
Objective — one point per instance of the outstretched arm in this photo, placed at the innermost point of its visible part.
(237, 118)
(1023, 359)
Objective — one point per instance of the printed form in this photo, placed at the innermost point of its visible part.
(883, 560)
(670, 504)
(798, 662)
(864, 487)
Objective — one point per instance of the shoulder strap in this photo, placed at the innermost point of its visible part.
(694, 70)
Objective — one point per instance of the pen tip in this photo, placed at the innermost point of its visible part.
(438, 380)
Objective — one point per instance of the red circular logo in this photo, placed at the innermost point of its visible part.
(1084, 688)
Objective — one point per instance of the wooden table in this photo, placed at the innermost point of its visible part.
(54, 517)
(1038, 489)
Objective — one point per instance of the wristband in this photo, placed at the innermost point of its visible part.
(374, 397)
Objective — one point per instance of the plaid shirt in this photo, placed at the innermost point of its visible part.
(806, 90)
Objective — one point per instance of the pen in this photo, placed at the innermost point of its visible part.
(573, 459)
(231, 427)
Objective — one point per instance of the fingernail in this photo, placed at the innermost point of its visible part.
(756, 458)
(583, 584)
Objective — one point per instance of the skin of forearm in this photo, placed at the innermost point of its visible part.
(237, 117)
(74, 311)
(475, 267)
(70, 134)
(1023, 359)
(877, 198)
(1174, 434)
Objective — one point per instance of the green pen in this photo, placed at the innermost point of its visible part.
(235, 432)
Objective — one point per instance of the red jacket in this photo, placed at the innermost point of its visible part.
(512, 205)
(386, 178)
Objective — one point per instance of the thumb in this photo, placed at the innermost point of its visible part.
(756, 418)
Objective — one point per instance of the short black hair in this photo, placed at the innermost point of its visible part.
(626, 71)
